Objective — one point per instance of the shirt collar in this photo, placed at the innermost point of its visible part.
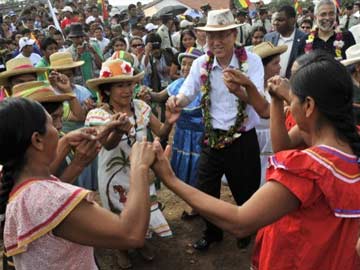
(233, 63)
(291, 37)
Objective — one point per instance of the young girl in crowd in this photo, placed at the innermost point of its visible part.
(116, 85)
(309, 208)
(50, 224)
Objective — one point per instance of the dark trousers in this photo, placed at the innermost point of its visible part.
(240, 162)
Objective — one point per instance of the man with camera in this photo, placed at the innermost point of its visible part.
(84, 51)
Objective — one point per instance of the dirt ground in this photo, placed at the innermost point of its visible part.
(176, 253)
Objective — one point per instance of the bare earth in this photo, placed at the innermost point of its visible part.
(176, 253)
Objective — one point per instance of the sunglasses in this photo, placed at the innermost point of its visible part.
(305, 27)
(137, 45)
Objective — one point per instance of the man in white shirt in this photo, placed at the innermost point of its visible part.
(230, 144)
(244, 29)
(100, 39)
(94, 15)
(26, 50)
(286, 34)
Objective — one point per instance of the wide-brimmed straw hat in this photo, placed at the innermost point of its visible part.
(19, 66)
(113, 71)
(219, 20)
(190, 52)
(40, 91)
(266, 49)
(352, 55)
(63, 60)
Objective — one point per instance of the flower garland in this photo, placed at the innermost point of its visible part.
(338, 43)
(213, 138)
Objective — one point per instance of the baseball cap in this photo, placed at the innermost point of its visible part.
(67, 9)
(185, 23)
(150, 26)
(25, 41)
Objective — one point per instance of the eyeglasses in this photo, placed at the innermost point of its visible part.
(137, 45)
(218, 35)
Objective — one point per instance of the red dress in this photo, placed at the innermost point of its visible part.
(322, 233)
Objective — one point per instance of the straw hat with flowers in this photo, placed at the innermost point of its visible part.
(20, 66)
(113, 71)
(63, 60)
(40, 91)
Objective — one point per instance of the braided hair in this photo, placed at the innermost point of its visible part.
(19, 119)
(329, 83)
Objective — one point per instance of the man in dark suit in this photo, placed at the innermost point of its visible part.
(286, 34)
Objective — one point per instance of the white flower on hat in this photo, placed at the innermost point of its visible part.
(339, 43)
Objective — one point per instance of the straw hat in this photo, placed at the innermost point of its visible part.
(266, 49)
(63, 60)
(19, 66)
(219, 20)
(39, 91)
(352, 55)
(113, 71)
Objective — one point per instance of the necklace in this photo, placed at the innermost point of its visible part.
(220, 139)
(338, 43)
(131, 136)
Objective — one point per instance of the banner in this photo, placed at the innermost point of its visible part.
(297, 7)
(103, 11)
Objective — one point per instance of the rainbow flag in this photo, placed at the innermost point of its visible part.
(242, 3)
(297, 7)
(103, 10)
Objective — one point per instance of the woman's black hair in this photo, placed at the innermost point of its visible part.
(19, 119)
(330, 85)
(182, 34)
(51, 107)
(268, 59)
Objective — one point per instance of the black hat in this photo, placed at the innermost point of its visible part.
(241, 12)
(206, 7)
(76, 30)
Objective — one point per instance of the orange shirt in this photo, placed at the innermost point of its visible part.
(322, 233)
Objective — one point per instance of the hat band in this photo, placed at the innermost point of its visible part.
(22, 67)
(29, 92)
(219, 26)
(64, 61)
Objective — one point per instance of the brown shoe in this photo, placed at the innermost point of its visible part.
(123, 259)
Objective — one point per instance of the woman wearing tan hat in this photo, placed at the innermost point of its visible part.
(270, 57)
(116, 85)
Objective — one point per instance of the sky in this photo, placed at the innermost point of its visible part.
(126, 2)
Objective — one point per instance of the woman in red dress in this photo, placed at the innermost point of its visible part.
(308, 211)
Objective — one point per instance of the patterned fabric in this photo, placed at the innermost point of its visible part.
(188, 135)
(114, 165)
(35, 208)
(322, 233)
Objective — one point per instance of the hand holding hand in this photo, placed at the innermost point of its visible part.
(144, 94)
(173, 110)
(279, 88)
(162, 167)
(142, 154)
(86, 152)
(75, 137)
(236, 81)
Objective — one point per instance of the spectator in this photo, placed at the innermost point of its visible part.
(48, 46)
(164, 31)
(94, 16)
(69, 17)
(244, 29)
(263, 20)
(256, 36)
(306, 26)
(100, 39)
(26, 49)
(132, 13)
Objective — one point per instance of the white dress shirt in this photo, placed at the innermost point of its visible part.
(284, 57)
(224, 104)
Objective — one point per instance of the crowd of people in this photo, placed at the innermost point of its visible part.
(266, 102)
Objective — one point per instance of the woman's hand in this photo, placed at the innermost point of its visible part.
(86, 152)
(236, 81)
(279, 88)
(144, 94)
(172, 116)
(60, 82)
(162, 167)
(142, 154)
(75, 137)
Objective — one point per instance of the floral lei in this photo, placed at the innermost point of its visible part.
(338, 43)
(212, 138)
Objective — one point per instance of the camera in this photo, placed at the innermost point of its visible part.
(156, 45)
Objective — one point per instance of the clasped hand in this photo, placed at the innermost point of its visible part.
(236, 81)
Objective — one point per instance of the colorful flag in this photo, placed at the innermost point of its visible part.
(103, 10)
(297, 7)
(337, 4)
(242, 3)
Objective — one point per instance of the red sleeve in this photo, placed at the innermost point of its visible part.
(293, 170)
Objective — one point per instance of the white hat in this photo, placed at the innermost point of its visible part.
(219, 20)
(25, 41)
(67, 9)
(185, 23)
(150, 27)
(352, 55)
